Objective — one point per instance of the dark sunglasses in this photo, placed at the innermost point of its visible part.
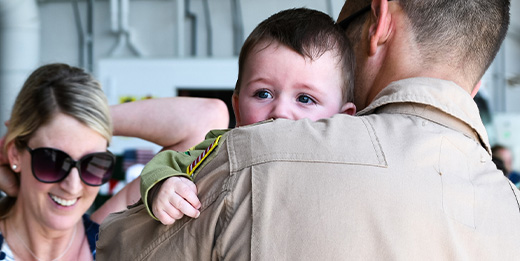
(345, 22)
(51, 165)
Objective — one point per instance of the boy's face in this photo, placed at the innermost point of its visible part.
(279, 83)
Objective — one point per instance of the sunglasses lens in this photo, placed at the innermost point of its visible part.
(49, 165)
(97, 168)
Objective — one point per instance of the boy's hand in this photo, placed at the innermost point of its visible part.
(176, 197)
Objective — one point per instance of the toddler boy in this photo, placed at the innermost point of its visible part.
(295, 64)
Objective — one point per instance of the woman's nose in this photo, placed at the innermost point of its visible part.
(72, 183)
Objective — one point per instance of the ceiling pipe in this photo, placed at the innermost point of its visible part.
(90, 36)
(193, 17)
(209, 29)
(181, 12)
(238, 26)
(81, 34)
(19, 50)
(119, 11)
(85, 37)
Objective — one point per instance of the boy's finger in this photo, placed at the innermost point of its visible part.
(190, 184)
(164, 218)
(165, 213)
(184, 206)
(188, 191)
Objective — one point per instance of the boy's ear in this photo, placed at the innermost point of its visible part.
(348, 108)
(236, 110)
(380, 30)
(14, 157)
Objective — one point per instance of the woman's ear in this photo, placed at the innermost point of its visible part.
(348, 108)
(236, 110)
(14, 157)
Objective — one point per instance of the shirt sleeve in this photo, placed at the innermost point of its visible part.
(170, 163)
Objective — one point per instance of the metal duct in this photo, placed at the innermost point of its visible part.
(238, 26)
(85, 38)
(119, 12)
(191, 16)
(19, 50)
(209, 29)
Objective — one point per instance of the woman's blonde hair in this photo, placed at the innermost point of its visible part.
(57, 88)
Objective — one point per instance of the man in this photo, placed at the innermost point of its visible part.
(410, 178)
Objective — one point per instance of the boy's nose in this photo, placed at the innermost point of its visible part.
(281, 110)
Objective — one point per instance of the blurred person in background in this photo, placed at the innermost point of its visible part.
(506, 156)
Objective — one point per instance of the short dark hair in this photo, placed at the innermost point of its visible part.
(470, 32)
(473, 29)
(309, 33)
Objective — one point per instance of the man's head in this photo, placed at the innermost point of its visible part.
(295, 64)
(460, 36)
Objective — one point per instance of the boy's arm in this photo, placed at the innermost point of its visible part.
(164, 165)
(174, 164)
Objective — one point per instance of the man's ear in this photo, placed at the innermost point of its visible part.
(380, 30)
(348, 108)
(14, 157)
(236, 110)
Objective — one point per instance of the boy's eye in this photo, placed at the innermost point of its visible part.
(305, 99)
(263, 95)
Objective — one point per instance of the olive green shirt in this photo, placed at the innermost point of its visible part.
(171, 163)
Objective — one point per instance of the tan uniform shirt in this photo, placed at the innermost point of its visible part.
(411, 178)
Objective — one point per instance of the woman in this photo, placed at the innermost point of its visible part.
(56, 144)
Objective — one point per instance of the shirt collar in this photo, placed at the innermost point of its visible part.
(445, 96)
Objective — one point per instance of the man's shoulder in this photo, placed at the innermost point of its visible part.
(122, 229)
(295, 126)
(328, 141)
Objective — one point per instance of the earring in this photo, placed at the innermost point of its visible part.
(14, 167)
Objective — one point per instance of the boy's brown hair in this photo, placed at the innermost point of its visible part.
(309, 33)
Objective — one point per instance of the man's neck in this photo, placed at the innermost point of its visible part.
(402, 60)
